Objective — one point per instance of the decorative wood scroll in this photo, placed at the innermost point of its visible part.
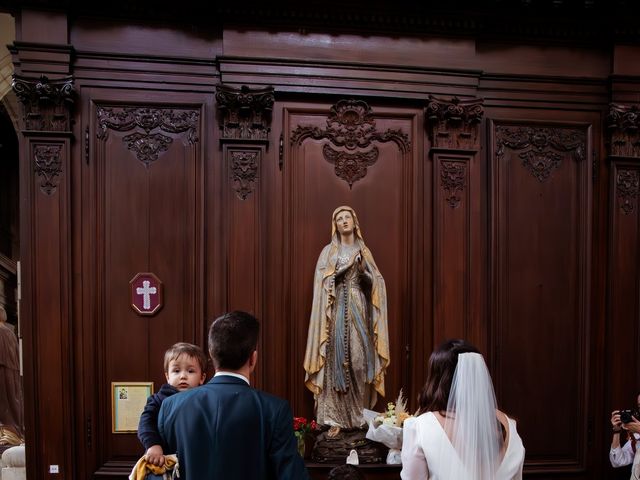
(245, 123)
(454, 124)
(244, 171)
(245, 114)
(47, 103)
(351, 130)
(48, 166)
(146, 145)
(453, 176)
(623, 123)
(541, 147)
(627, 189)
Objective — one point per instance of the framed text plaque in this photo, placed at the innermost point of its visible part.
(127, 402)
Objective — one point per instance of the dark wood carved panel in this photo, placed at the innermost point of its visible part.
(454, 124)
(623, 316)
(243, 214)
(623, 124)
(452, 235)
(454, 131)
(313, 190)
(351, 131)
(541, 241)
(46, 299)
(147, 219)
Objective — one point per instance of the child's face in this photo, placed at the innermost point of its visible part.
(184, 372)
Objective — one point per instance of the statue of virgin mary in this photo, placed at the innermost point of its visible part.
(348, 341)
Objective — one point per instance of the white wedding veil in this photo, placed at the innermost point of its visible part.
(471, 421)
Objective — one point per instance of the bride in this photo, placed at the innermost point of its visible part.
(459, 433)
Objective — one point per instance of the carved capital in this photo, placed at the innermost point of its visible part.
(351, 131)
(47, 165)
(47, 104)
(455, 123)
(148, 143)
(627, 189)
(623, 124)
(541, 148)
(243, 170)
(245, 114)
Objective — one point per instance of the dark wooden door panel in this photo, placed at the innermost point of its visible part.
(541, 256)
(147, 170)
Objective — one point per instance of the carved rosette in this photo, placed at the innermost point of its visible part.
(47, 104)
(149, 143)
(245, 114)
(453, 176)
(627, 189)
(623, 123)
(244, 172)
(351, 131)
(541, 147)
(455, 123)
(48, 166)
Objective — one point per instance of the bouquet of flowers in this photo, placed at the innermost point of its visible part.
(386, 427)
(302, 427)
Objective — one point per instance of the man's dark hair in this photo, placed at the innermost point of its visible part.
(233, 337)
(345, 472)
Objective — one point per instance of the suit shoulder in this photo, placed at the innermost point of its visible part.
(272, 400)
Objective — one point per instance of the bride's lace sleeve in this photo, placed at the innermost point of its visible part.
(414, 463)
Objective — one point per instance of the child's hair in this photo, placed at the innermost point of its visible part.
(189, 349)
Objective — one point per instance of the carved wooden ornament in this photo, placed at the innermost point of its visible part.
(541, 147)
(148, 146)
(48, 166)
(627, 189)
(623, 123)
(455, 123)
(351, 131)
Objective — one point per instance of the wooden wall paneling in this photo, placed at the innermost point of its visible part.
(45, 226)
(245, 123)
(377, 178)
(47, 351)
(145, 183)
(623, 309)
(623, 312)
(454, 127)
(541, 247)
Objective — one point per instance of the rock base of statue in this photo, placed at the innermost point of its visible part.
(336, 449)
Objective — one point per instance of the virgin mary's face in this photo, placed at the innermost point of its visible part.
(344, 222)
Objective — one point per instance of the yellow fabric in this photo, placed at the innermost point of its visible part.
(323, 298)
(142, 467)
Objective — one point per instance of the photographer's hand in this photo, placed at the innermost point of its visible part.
(633, 426)
(616, 423)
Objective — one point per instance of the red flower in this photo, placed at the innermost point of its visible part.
(303, 426)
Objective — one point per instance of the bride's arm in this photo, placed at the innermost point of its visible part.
(414, 463)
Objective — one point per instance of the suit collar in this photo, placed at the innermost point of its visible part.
(228, 379)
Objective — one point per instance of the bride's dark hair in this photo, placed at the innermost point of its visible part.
(442, 365)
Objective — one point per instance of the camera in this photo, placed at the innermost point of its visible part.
(625, 415)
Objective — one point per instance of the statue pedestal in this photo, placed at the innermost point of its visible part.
(334, 450)
(370, 471)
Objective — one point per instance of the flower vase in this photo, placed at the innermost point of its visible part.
(301, 445)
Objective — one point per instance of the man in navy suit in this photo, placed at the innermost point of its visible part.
(226, 429)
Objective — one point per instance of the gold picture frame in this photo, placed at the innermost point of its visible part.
(128, 400)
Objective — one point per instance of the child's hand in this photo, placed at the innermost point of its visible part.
(155, 455)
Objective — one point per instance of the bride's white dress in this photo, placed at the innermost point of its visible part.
(427, 452)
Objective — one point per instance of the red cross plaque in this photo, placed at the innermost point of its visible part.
(146, 293)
